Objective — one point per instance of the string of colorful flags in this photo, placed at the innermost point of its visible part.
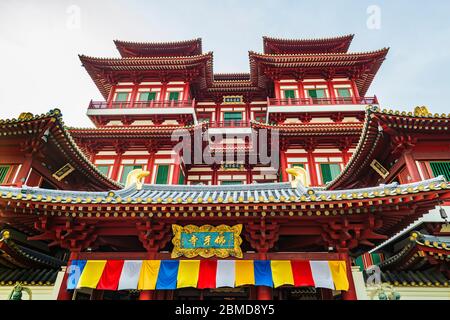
(204, 274)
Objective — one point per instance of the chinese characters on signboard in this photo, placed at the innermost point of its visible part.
(207, 241)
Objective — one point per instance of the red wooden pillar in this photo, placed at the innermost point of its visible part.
(247, 112)
(331, 91)
(411, 166)
(301, 90)
(116, 167)
(249, 174)
(186, 91)
(162, 96)
(350, 294)
(355, 96)
(277, 89)
(150, 164)
(134, 93)
(215, 179)
(312, 169)
(283, 166)
(176, 172)
(63, 293)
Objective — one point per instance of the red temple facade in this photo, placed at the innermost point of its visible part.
(294, 152)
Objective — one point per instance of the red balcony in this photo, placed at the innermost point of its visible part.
(98, 105)
(322, 101)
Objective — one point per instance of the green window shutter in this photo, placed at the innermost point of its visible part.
(316, 93)
(126, 170)
(232, 116)
(289, 94)
(441, 168)
(335, 170)
(329, 171)
(181, 178)
(344, 92)
(230, 182)
(3, 173)
(320, 93)
(301, 165)
(122, 96)
(103, 169)
(147, 96)
(312, 93)
(174, 95)
(162, 174)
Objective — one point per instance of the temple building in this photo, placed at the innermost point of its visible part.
(198, 185)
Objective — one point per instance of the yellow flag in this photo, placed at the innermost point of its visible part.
(281, 272)
(245, 272)
(188, 271)
(339, 273)
(92, 273)
(149, 274)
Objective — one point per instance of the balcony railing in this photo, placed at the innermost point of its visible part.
(142, 104)
(322, 101)
(229, 124)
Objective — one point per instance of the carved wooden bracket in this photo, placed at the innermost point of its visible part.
(153, 235)
(261, 235)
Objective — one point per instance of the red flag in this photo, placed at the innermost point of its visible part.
(111, 275)
(207, 274)
(302, 273)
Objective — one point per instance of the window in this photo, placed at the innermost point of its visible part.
(181, 178)
(147, 96)
(316, 93)
(289, 94)
(162, 174)
(301, 165)
(441, 168)
(103, 169)
(329, 171)
(174, 95)
(344, 92)
(127, 169)
(232, 116)
(260, 117)
(122, 96)
(230, 182)
(4, 169)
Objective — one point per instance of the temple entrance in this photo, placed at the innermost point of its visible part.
(243, 293)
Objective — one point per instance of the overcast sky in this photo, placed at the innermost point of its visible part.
(41, 40)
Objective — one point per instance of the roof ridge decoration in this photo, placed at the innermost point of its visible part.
(190, 194)
(312, 45)
(183, 48)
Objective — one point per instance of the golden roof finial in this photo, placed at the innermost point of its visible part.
(421, 111)
(25, 116)
(136, 177)
(300, 176)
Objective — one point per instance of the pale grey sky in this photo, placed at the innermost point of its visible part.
(40, 42)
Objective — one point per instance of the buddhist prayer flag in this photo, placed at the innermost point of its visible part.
(173, 274)
(245, 273)
(149, 274)
(207, 274)
(263, 273)
(111, 275)
(225, 276)
(188, 273)
(321, 274)
(301, 271)
(339, 273)
(74, 272)
(281, 272)
(167, 276)
(91, 274)
(130, 275)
